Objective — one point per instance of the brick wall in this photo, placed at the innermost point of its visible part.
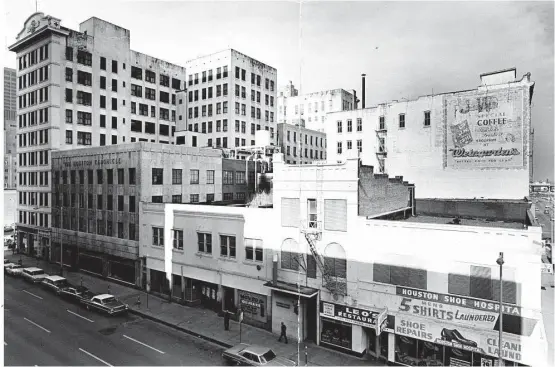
(378, 193)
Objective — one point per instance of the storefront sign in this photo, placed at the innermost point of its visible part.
(283, 305)
(460, 301)
(84, 163)
(465, 339)
(253, 305)
(484, 130)
(458, 362)
(351, 315)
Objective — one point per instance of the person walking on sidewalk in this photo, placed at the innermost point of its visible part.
(226, 320)
(283, 332)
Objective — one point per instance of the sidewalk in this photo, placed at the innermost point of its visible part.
(199, 322)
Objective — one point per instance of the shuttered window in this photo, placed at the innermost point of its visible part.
(335, 215)
(400, 275)
(481, 285)
(290, 212)
(290, 260)
(336, 267)
(310, 266)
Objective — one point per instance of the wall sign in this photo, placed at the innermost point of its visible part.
(81, 163)
(253, 305)
(283, 305)
(352, 315)
(484, 130)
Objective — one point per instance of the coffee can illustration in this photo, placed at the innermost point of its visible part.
(461, 134)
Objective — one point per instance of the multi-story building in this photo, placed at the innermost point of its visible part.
(309, 110)
(336, 260)
(10, 128)
(230, 96)
(301, 145)
(451, 145)
(96, 194)
(77, 89)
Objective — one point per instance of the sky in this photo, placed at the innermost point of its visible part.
(406, 49)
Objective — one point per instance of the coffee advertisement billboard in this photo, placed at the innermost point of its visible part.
(484, 130)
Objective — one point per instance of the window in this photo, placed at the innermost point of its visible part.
(99, 202)
(84, 58)
(400, 275)
(150, 94)
(359, 124)
(339, 126)
(177, 176)
(132, 177)
(254, 250)
(359, 146)
(157, 236)
(210, 177)
(228, 177)
(402, 120)
(69, 75)
(114, 66)
(349, 145)
(479, 284)
(240, 178)
(194, 176)
(132, 204)
(69, 116)
(382, 122)
(110, 174)
(290, 260)
(114, 85)
(150, 76)
(164, 80)
(120, 203)
(114, 104)
(69, 137)
(69, 53)
(339, 147)
(69, 95)
(177, 199)
(157, 176)
(99, 177)
(102, 101)
(136, 90)
(194, 198)
(157, 199)
(427, 118)
(83, 138)
(102, 63)
(132, 229)
(204, 242)
(136, 126)
(177, 239)
(227, 246)
(110, 202)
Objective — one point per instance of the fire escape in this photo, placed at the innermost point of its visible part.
(312, 230)
(381, 149)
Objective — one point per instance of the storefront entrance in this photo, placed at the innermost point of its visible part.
(122, 269)
(229, 299)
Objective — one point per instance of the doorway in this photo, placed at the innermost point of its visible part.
(311, 319)
(229, 299)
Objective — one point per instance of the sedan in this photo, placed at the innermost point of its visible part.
(15, 270)
(254, 355)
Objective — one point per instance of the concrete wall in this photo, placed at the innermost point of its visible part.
(500, 210)
(296, 143)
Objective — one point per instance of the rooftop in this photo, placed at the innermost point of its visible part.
(472, 222)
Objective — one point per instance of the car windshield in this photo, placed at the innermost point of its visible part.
(108, 300)
(269, 355)
(37, 272)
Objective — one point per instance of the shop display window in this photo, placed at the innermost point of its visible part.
(458, 357)
(336, 333)
(415, 352)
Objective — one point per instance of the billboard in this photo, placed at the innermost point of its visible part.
(484, 130)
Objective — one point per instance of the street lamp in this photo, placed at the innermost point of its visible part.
(500, 262)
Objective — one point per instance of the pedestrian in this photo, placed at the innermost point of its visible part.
(226, 320)
(283, 332)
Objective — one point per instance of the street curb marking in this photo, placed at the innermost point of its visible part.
(146, 345)
(89, 320)
(173, 326)
(95, 357)
(34, 295)
(37, 325)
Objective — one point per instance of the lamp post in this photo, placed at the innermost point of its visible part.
(61, 242)
(500, 262)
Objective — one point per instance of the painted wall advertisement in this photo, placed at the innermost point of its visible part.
(253, 305)
(485, 130)
(461, 338)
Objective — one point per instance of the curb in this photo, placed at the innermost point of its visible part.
(173, 326)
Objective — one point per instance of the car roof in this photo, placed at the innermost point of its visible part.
(33, 269)
(256, 349)
(55, 278)
(103, 296)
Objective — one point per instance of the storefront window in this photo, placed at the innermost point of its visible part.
(457, 357)
(429, 353)
(336, 333)
(406, 350)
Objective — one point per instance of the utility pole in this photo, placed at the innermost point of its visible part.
(500, 262)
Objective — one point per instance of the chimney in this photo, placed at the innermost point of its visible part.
(363, 90)
(275, 270)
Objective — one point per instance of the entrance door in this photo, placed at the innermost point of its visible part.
(229, 301)
(311, 319)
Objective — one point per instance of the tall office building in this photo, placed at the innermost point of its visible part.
(309, 110)
(229, 97)
(10, 158)
(77, 89)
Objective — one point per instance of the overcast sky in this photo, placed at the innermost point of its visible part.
(406, 48)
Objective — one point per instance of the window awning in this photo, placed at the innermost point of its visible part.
(293, 289)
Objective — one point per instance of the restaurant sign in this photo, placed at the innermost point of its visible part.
(352, 315)
(253, 305)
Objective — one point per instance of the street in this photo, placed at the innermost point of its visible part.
(42, 329)
(544, 219)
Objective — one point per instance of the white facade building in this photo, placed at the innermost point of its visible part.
(450, 145)
(368, 286)
(309, 110)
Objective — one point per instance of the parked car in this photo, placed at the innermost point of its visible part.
(54, 283)
(105, 303)
(6, 261)
(75, 293)
(254, 355)
(10, 266)
(15, 270)
(34, 275)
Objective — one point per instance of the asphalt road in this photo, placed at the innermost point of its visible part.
(43, 329)
(545, 219)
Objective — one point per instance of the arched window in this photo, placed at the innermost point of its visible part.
(335, 260)
(290, 256)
